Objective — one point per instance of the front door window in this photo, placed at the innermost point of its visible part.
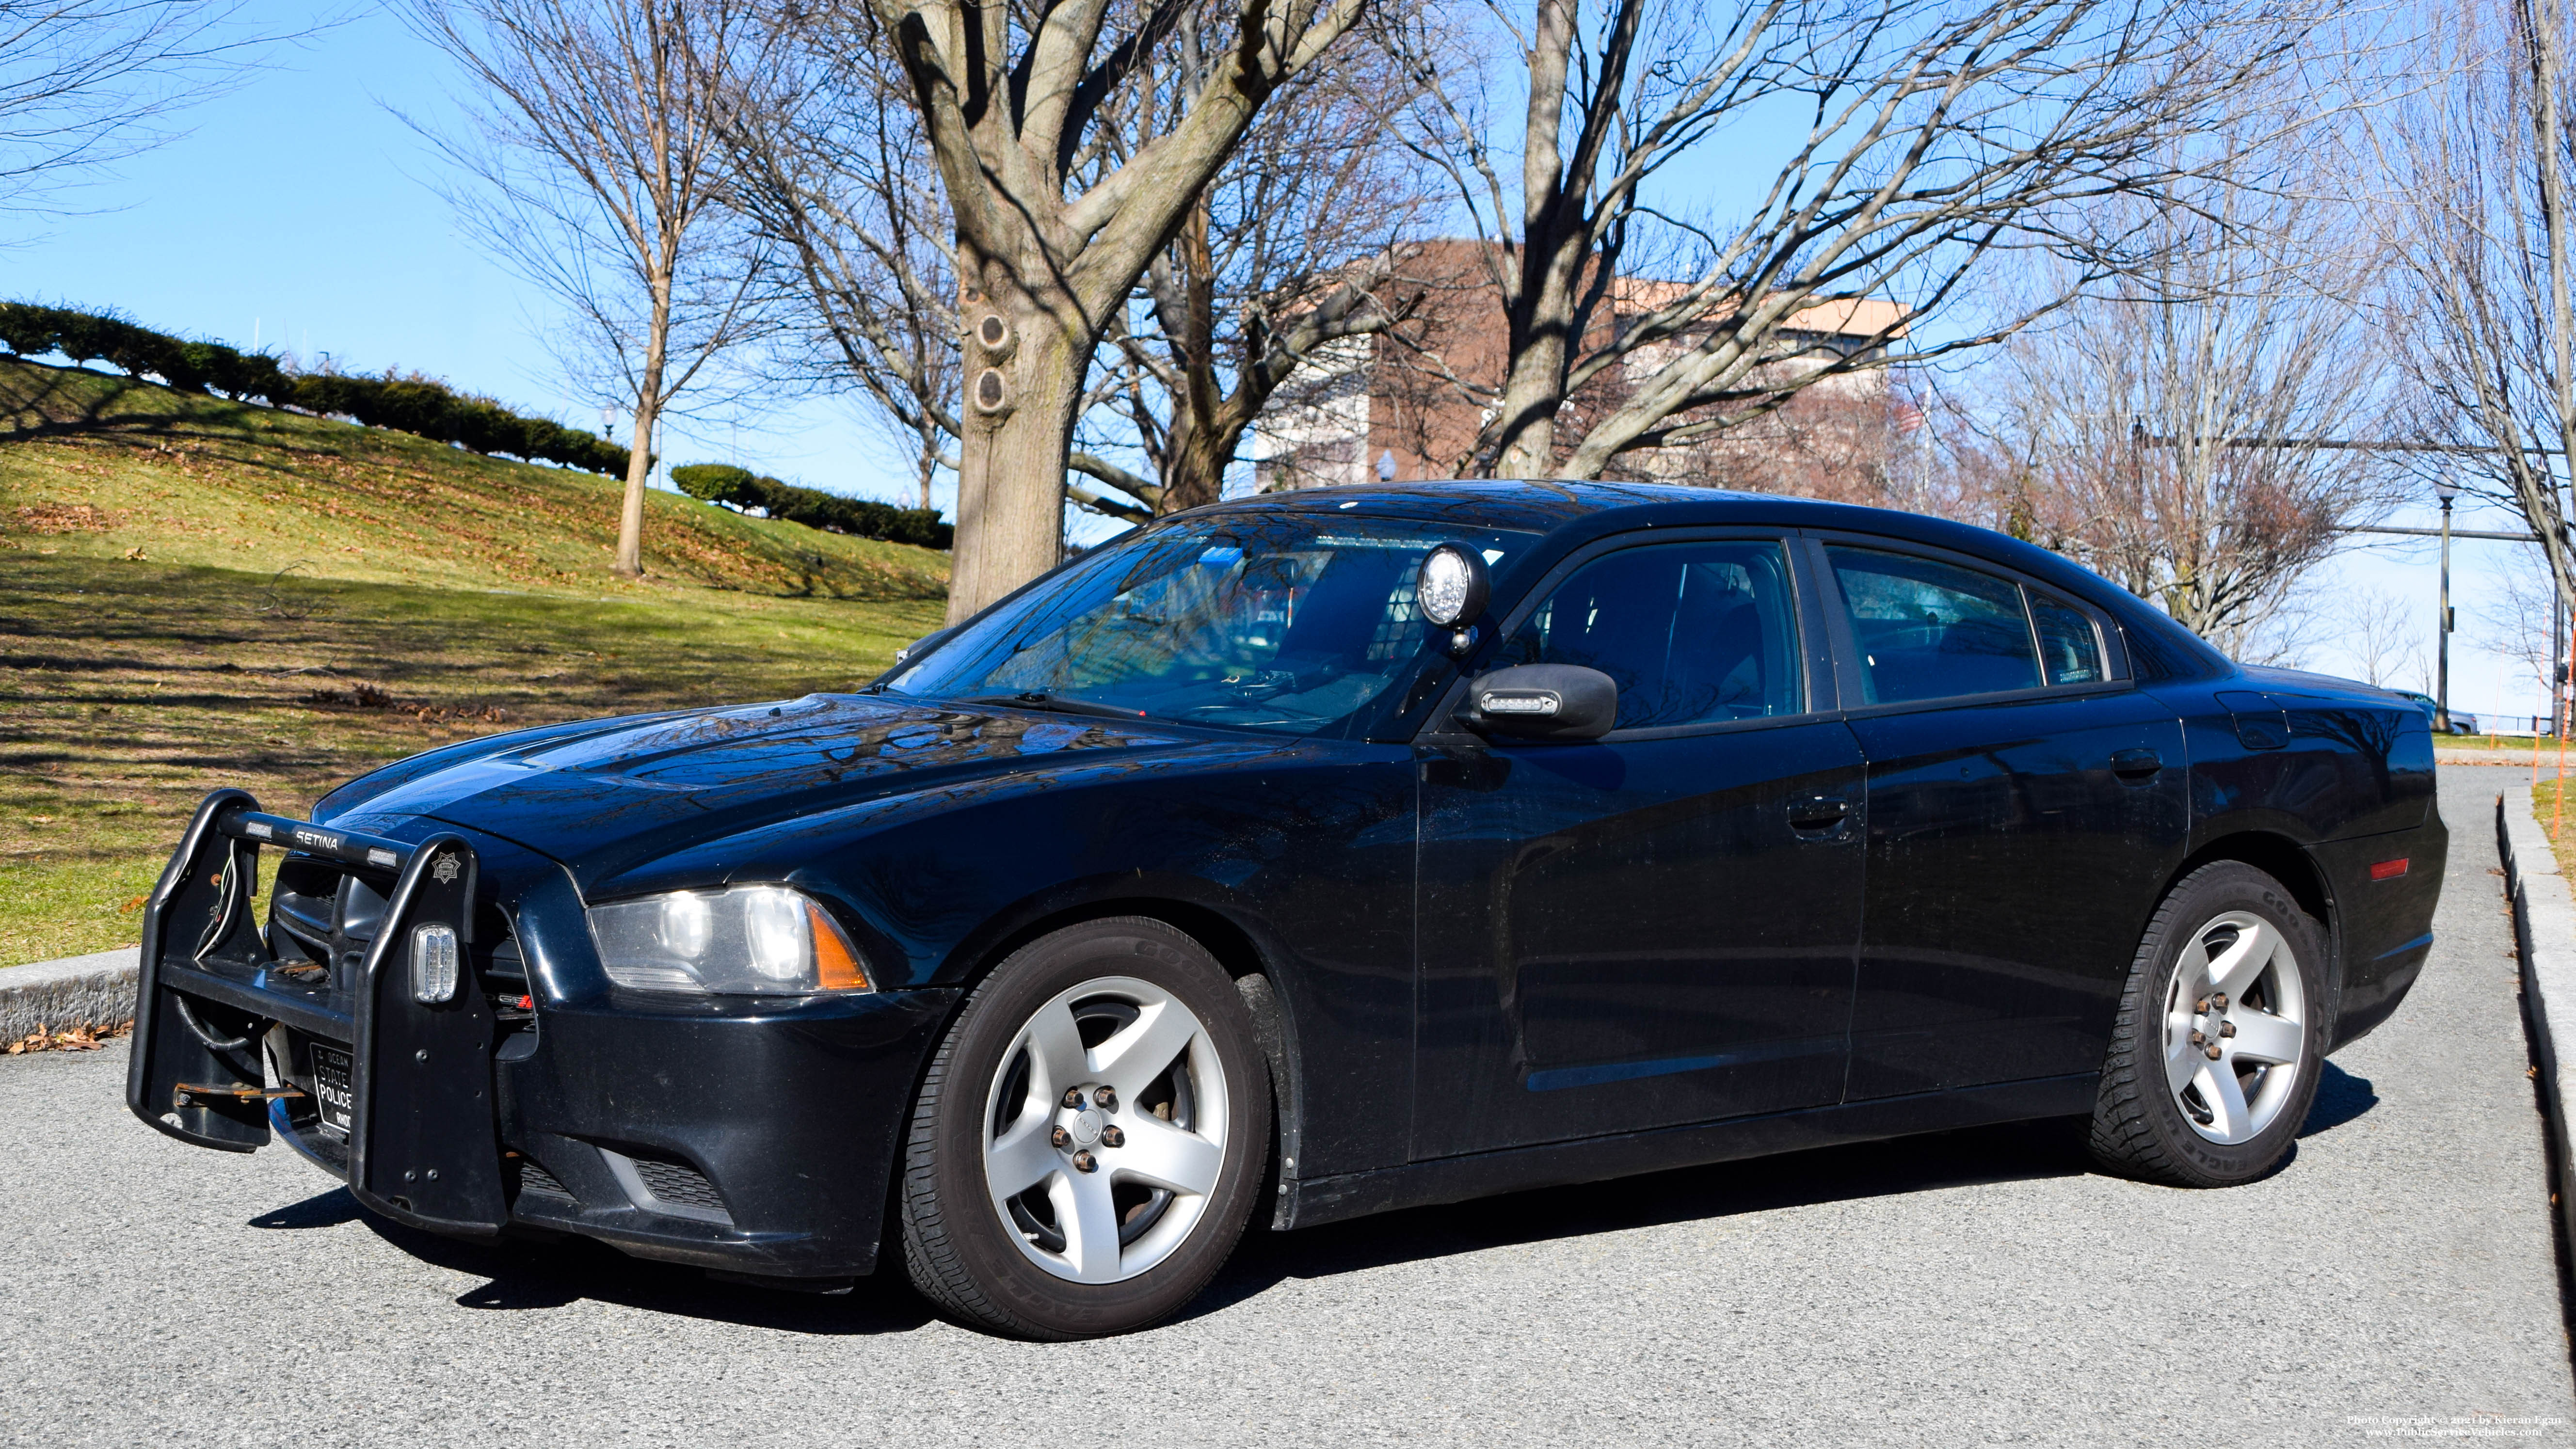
(1692, 633)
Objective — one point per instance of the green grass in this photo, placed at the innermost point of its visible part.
(99, 467)
(2545, 807)
(470, 595)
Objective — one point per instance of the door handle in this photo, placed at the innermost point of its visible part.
(2137, 766)
(1818, 815)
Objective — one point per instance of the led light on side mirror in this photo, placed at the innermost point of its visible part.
(1518, 703)
(433, 964)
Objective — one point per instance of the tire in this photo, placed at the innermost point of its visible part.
(1025, 1215)
(2231, 958)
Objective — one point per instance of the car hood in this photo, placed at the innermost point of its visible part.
(604, 797)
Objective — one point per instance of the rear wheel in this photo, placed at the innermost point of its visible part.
(1089, 1136)
(2215, 1056)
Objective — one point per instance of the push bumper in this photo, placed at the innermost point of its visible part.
(730, 1133)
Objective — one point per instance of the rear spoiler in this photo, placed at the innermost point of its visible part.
(424, 1147)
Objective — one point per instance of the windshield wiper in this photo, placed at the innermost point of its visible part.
(1056, 704)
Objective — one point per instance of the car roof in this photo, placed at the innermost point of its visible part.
(1584, 509)
(1548, 506)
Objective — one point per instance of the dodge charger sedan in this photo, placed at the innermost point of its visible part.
(1307, 857)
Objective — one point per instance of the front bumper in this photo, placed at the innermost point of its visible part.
(752, 1135)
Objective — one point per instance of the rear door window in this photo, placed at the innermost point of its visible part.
(2070, 649)
(1930, 630)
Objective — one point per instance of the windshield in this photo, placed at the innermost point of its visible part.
(1289, 622)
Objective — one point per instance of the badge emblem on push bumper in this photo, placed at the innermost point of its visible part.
(445, 869)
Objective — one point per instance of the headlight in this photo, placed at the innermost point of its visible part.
(756, 939)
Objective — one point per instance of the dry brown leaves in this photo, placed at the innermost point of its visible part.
(82, 1038)
(359, 696)
(457, 713)
(50, 518)
(369, 696)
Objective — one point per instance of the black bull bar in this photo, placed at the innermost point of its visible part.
(424, 1147)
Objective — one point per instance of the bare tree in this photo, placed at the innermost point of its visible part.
(2524, 622)
(1282, 254)
(1291, 249)
(2380, 632)
(1939, 133)
(87, 83)
(2478, 219)
(594, 135)
(2163, 431)
(1051, 233)
(826, 164)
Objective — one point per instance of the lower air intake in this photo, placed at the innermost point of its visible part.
(533, 1178)
(678, 1184)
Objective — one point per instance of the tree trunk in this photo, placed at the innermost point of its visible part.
(1197, 468)
(639, 467)
(1541, 307)
(1531, 397)
(1540, 325)
(649, 400)
(1536, 382)
(2540, 18)
(1195, 471)
(1023, 386)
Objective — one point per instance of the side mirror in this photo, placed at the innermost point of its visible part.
(1542, 702)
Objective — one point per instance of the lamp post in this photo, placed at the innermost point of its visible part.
(2445, 490)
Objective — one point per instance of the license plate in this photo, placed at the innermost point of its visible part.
(331, 1095)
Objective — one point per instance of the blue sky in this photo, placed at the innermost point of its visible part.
(298, 213)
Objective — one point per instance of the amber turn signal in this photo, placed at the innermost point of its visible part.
(836, 966)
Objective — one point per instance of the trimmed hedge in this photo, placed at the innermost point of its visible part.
(741, 488)
(412, 404)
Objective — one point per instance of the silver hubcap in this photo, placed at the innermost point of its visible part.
(2235, 1028)
(1105, 1130)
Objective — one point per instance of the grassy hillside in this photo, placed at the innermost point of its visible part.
(98, 466)
(196, 594)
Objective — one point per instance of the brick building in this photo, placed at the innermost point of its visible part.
(1374, 407)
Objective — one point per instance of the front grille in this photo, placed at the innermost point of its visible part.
(533, 1177)
(326, 914)
(678, 1184)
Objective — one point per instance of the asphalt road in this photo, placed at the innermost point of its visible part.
(1977, 1288)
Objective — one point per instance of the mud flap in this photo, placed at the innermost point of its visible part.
(423, 1145)
(200, 911)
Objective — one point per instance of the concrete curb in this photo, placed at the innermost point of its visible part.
(93, 991)
(2544, 933)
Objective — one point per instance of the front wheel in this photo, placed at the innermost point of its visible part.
(1089, 1137)
(2221, 1034)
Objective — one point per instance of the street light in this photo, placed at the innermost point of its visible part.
(2446, 491)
